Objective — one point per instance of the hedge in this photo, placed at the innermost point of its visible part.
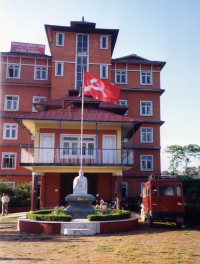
(45, 215)
(192, 213)
(114, 215)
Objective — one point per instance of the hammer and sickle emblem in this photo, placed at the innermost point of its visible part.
(94, 85)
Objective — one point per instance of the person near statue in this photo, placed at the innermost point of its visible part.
(80, 184)
(5, 199)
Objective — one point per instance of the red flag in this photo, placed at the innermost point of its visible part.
(100, 89)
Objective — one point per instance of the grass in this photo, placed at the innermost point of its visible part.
(45, 238)
(103, 248)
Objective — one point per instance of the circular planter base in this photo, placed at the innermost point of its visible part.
(80, 227)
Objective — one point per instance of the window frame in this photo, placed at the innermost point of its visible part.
(78, 142)
(106, 71)
(46, 73)
(4, 131)
(101, 42)
(36, 97)
(57, 39)
(120, 74)
(151, 108)
(6, 100)
(15, 160)
(141, 137)
(56, 68)
(8, 184)
(144, 158)
(81, 56)
(147, 73)
(14, 65)
(122, 101)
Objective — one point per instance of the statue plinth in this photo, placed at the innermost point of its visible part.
(80, 201)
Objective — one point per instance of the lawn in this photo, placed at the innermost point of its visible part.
(164, 243)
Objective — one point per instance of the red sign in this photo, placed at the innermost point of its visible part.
(27, 48)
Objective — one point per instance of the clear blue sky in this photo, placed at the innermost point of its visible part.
(164, 30)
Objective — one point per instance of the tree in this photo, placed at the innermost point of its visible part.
(179, 154)
(176, 155)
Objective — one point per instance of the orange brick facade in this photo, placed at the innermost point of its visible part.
(26, 86)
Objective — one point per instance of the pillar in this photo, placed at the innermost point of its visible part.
(34, 191)
(42, 191)
(119, 192)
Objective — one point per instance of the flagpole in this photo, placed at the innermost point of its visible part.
(82, 122)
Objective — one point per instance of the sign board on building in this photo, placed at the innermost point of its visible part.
(27, 48)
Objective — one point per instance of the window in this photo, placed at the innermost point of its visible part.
(59, 39)
(40, 73)
(146, 108)
(13, 71)
(59, 69)
(82, 58)
(120, 76)
(104, 71)
(71, 145)
(37, 99)
(146, 135)
(154, 191)
(10, 185)
(123, 103)
(10, 131)
(8, 160)
(104, 42)
(82, 45)
(178, 190)
(124, 189)
(11, 103)
(166, 191)
(146, 78)
(146, 163)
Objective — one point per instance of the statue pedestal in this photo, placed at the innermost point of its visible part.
(79, 205)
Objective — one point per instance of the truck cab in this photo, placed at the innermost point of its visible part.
(162, 199)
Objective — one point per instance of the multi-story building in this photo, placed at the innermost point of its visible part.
(41, 114)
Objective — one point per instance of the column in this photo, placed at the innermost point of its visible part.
(34, 191)
(42, 191)
(119, 192)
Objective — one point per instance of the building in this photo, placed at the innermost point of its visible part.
(40, 116)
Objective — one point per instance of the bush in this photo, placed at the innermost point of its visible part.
(193, 195)
(110, 215)
(46, 215)
(5, 189)
(192, 213)
(22, 191)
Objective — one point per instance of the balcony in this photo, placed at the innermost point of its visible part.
(71, 157)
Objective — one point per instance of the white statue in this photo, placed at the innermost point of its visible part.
(80, 184)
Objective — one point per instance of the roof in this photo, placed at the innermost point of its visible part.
(26, 54)
(62, 102)
(81, 27)
(74, 114)
(133, 58)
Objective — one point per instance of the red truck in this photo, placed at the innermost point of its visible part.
(162, 199)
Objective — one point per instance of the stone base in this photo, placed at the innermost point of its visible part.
(77, 227)
(79, 205)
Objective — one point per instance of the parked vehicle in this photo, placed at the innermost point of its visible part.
(162, 199)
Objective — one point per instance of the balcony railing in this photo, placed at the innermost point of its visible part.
(71, 156)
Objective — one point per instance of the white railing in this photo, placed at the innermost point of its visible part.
(72, 156)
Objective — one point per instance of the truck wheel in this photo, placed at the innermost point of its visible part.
(150, 220)
(143, 217)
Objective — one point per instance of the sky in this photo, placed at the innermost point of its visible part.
(166, 30)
